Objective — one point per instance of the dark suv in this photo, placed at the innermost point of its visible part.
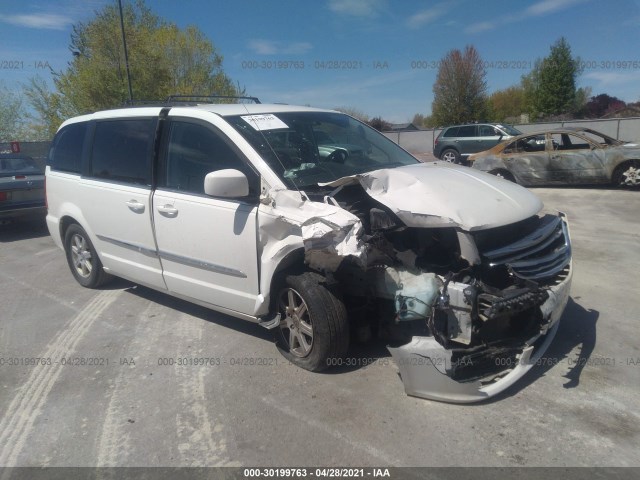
(456, 143)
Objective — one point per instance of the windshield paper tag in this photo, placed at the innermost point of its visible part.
(264, 122)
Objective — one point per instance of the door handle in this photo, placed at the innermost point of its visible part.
(135, 206)
(168, 210)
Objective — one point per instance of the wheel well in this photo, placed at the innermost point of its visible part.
(450, 148)
(292, 263)
(65, 223)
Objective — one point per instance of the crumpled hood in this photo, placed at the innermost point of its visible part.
(443, 195)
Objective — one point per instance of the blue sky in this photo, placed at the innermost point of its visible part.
(385, 51)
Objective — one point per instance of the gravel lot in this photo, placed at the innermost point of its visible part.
(121, 388)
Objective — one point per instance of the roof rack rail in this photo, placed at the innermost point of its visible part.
(141, 103)
(185, 98)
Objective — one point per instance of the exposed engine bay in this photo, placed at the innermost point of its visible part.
(464, 310)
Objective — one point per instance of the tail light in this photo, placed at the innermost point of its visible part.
(3, 196)
(46, 203)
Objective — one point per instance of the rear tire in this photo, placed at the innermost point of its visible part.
(82, 258)
(314, 328)
(627, 174)
(450, 155)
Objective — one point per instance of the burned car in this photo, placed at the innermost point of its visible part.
(235, 207)
(566, 156)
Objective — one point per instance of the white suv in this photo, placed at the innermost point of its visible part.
(316, 226)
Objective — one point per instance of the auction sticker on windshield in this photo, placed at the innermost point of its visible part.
(264, 122)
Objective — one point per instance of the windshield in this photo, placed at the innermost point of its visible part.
(19, 166)
(307, 148)
(510, 130)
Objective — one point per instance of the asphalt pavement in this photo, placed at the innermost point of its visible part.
(125, 376)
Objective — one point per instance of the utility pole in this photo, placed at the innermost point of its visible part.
(126, 55)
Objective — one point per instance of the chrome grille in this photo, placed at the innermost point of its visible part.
(541, 254)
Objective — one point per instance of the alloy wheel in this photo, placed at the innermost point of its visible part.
(81, 255)
(295, 325)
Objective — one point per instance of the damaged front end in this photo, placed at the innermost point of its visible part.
(467, 306)
(487, 330)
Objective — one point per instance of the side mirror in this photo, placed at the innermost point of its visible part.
(228, 183)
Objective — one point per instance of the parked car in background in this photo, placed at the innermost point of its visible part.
(21, 187)
(456, 143)
(566, 156)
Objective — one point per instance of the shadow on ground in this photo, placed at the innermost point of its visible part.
(24, 229)
(194, 310)
(569, 351)
(359, 356)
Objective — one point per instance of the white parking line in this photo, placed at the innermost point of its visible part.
(17, 422)
(194, 420)
(48, 250)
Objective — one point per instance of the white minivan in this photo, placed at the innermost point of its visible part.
(318, 227)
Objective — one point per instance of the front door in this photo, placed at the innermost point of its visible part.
(527, 160)
(207, 246)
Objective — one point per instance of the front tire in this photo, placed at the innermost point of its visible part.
(82, 258)
(314, 329)
(627, 174)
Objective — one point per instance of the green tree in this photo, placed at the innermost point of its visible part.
(379, 124)
(12, 115)
(50, 108)
(507, 103)
(425, 121)
(163, 60)
(530, 84)
(550, 88)
(418, 120)
(460, 89)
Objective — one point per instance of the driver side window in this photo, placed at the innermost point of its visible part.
(195, 150)
(487, 131)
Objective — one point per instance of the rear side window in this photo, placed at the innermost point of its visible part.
(468, 131)
(65, 154)
(451, 132)
(122, 150)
